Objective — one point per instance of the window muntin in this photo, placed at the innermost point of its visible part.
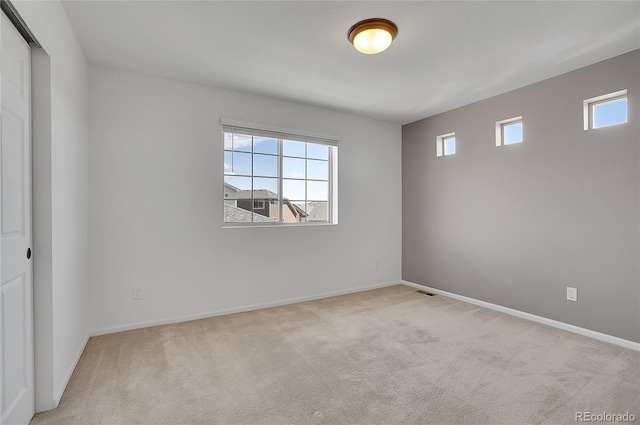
(509, 131)
(277, 179)
(446, 145)
(606, 110)
(305, 169)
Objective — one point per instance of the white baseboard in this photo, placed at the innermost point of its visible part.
(517, 313)
(539, 319)
(178, 319)
(58, 395)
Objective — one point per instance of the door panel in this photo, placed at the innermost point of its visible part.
(16, 285)
(12, 173)
(13, 300)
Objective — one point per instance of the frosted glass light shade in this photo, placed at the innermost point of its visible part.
(372, 41)
(372, 36)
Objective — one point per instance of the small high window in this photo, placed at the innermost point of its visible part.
(606, 110)
(509, 132)
(446, 144)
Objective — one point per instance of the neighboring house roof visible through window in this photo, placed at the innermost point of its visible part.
(260, 194)
(232, 187)
(299, 211)
(235, 214)
(317, 211)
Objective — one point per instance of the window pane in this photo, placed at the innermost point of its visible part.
(265, 165)
(241, 143)
(264, 145)
(317, 151)
(610, 113)
(292, 212)
(239, 183)
(228, 141)
(247, 210)
(244, 201)
(317, 191)
(450, 146)
(235, 214)
(264, 187)
(241, 163)
(231, 188)
(293, 168)
(293, 189)
(273, 211)
(291, 148)
(512, 133)
(317, 212)
(228, 161)
(317, 170)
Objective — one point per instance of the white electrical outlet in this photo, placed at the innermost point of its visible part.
(572, 294)
(137, 293)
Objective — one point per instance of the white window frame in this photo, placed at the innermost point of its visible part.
(588, 104)
(281, 134)
(440, 140)
(258, 202)
(500, 126)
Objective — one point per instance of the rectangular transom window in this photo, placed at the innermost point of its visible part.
(509, 132)
(446, 144)
(278, 177)
(606, 110)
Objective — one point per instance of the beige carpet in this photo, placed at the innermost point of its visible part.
(386, 356)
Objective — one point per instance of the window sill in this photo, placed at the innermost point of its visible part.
(253, 226)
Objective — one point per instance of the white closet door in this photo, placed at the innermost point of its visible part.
(16, 294)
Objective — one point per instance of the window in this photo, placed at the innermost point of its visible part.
(277, 177)
(606, 110)
(509, 132)
(446, 144)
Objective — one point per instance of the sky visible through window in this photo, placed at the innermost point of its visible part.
(305, 166)
(450, 146)
(512, 133)
(610, 113)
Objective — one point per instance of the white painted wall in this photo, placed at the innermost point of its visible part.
(60, 199)
(156, 205)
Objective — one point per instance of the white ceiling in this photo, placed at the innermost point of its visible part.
(446, 54)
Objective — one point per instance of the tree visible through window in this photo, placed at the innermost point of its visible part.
(276, 179)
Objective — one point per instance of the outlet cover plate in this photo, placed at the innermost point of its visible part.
(572, 294)
(137, 293)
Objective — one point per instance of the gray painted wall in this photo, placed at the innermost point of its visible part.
(515, 225)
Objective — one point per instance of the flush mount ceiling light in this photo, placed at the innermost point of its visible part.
(372, 36)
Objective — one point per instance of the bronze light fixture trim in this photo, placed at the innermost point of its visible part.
(372, 36)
